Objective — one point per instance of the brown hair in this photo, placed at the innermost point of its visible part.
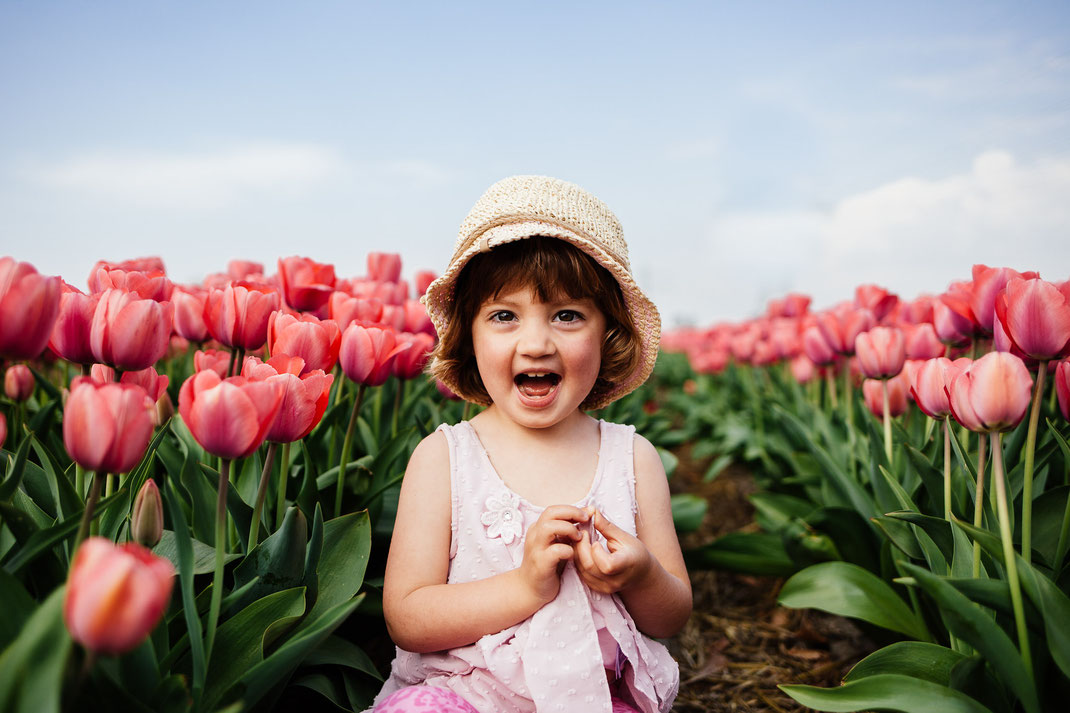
(551, 268)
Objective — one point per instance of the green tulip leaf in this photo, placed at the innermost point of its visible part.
(32, 666)
(203, 554)
(15, 470)
(886, 692)
(900, 534)
(848, 590)
(18, 606)
(917, 659)
(688, 511)
(184, 551)
(937, 528)
(336, 651)
(277, 563)
(856, 540)
(716, 467)
(342, 562)
(323, 685)
(774, 510)
(749, 552)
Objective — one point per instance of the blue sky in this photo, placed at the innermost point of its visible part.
(748, 148)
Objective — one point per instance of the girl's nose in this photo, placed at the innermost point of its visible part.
(535, 340)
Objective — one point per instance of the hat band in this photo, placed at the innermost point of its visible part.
(484, 245)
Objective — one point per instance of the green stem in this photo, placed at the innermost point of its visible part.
(284, 474)
(1064, 538)
(1008, 552)
(398, 400)
(847, 396)
(1030, 447)
(467, 411)
(87, 514)
(830, 381)
(79, 480)
(887, 423)
(220, 551)
(261, 495)
(947, 470)
(109, 485)
(979, 501)
(340, 484)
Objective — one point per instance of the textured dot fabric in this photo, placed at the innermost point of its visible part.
(580, 650)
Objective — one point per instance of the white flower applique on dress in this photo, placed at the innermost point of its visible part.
(501, 516)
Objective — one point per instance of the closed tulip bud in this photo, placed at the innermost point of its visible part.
(237, 315)
(993, 394)
(3, 428)
(988, 282)
(305, 394)
(803, 369)
(841, 326)
(315, 341)
(344, 309)
(231, 417)
(422, 280)
(876, 299)
(107, 427)
(213, 359)
(146, 524)
(128, 331)
(306, 284)
(189, 313)
(1035, 316)
(416, 319)
(29, 305)
(817, 348)
(951, 327)
(881, 352)
(116, 594)
(70, 335)
(18, 382)
(410, 362)
(897, 396)
(148, 284)
(384, 267)
(1062, 388)
(165, 410)
(930, 385)
(367, 353)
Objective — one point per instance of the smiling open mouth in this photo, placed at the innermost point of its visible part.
(536, 384)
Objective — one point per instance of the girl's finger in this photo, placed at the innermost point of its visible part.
(560, 529)
(607, 528)
(569, 513)
(560, 551)
(603, 560)
(583, 553)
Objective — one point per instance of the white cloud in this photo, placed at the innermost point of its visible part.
(190, 180)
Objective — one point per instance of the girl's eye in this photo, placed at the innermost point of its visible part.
(502, 316)
(568, 315)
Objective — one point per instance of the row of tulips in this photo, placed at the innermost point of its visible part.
(904, 519)
(296, 389)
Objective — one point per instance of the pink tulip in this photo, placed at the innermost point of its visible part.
(139, 264)
(214, 359)
(988, 282)
(841, 326)
(897, 396)
(343, 308)
(743, 344)
(422, 280)
(146, 522)
(107, 427)
(237, 315)
(18, 382)
(881, 352)
(442, 389)
(394, 317)
(154, 384)
(791, 305)
(245, 270)
(315, 341)
(876, 299)
(410, 362)
(306, 284)
(803, 369)
(921, 341)
(189, 312)
(3, 428)
(993, 394)
(149, 285)
(29, 305)
(116, 594)
(305, 394)
(930, 385)
(129, 332)
(817, 348)
(70, 335)
(231, 417)
(384, 267)
(951, 327)
(917, 311)
(1062, 388)
(1035, 316)
(784, 337)
(389, 293)
(367, 353)
(416, 319)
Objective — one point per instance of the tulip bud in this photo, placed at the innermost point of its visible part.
(18, 382)
(3, 428)
(1062, 388)
(146, 524)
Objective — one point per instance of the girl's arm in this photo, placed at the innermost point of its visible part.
(647, 571)
(424, 613)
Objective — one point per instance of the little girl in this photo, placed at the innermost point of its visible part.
(534, 552)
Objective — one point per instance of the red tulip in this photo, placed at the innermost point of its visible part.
(305, 394)
(245, 270)
(993, 394)
(214, 359)
(791, 305)
(3, 428)
(917, 311)
(18, 382)
(817, 348)
(149, 284)
(384, 267)
(410, 362)
(107, 427)
(931, 382)
(1062, 388)
(1035, 316)
(237, 315)
(743, 343)
(881, 352)
(154, 384)
(841, 326)
(189, 312)
(29, 305)
(130, 332)
(422, 280)
(897, 396)
(306, 284)
(803, 369)
(442, 389)
(394, 317)
(416, 319)
(921, 341)
(139, 264)
(876, 299)
(951, 327)
(116, 594)
(988, 282)
(367, 353)
(784, 337)
(70, 335)
(390, 293)
(146, 522)
(315, 341)
(229, 417)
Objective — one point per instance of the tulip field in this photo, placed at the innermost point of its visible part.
(199, 481)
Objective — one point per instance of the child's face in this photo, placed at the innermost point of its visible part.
(538, 360)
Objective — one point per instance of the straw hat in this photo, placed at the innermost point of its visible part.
(521, 207)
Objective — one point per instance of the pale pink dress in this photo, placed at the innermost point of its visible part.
(558, 659)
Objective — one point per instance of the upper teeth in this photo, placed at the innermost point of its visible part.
(536, 374)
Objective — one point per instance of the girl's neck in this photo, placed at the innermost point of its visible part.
(495, 424)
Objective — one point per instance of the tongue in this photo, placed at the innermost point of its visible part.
(536, 385)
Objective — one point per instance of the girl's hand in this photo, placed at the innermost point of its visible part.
(626, 561)
(548, 545)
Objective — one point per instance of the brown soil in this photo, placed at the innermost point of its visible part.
(738, 644)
